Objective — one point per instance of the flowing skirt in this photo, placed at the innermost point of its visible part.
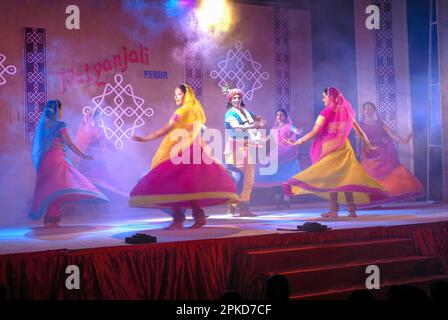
(400, 183)
(96, 171)
(338, 172)
(171, 185)
(58, 181)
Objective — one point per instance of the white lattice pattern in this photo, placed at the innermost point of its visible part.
(35, 78)
(5, 69)
(385, 66)
(119, 120)
(281, 33)
(240, 70)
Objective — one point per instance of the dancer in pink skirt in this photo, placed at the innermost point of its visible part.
(57, 180)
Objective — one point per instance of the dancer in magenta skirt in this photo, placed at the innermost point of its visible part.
(194, 183)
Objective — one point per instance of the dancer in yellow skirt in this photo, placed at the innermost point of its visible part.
(335, 173)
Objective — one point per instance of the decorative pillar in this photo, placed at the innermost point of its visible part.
(35, 78)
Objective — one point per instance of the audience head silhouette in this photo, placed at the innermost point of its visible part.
(231, 295)
(361, 296)
(439, 291)
(2, 292)
(406, 293)
(277, 288)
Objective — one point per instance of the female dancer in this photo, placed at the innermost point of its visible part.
(334, 166)
(383, 163)
(90, 139)
(57, 180)
(184, 185)
(288, 163)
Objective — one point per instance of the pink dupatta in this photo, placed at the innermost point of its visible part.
(336, 121)
(88, 131)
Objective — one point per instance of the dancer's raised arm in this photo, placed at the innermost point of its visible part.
(156, 134)
(395, 136)
(68, 140)
(310, 135)
(362, 135)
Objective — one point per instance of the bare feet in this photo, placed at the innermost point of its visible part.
(200, 219)
(330, 214)
(175, 225)
(52, 225)
(244, 210)
(352, 211)
(231, 211)
(199, 223)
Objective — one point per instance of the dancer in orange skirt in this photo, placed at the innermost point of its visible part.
(383, 163)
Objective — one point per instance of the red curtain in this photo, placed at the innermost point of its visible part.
(201, 269)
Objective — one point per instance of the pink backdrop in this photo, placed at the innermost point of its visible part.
(107, 27)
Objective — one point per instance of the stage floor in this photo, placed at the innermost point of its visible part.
(93, 230)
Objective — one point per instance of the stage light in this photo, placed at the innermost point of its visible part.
(177, 8)
(214, 16)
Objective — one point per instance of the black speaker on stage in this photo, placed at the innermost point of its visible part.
(139, 238)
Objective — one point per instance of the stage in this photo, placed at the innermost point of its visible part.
(410, 238)
(93, 230)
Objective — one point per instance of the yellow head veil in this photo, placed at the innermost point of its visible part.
(193, 105)
(190, 117)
